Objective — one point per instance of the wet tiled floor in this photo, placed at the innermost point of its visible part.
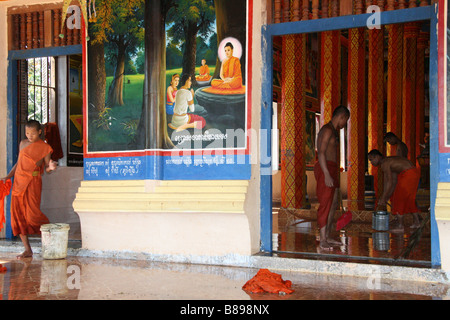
(297, 235)
(93, 278)
(86, 278)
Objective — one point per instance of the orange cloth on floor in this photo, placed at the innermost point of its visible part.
(404, 197)
(267, 282)
(26, 215)
(231, 69)
(325, 194)
(204, 73)
(5, 187)
(53, 138)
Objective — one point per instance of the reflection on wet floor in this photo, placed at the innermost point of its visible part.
(297, 235)
(86, 278)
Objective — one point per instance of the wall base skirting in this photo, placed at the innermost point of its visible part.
(164, 217)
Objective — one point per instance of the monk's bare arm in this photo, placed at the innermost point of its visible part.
(390, 181)
(322, 155)
(49, 164)
(10, 174)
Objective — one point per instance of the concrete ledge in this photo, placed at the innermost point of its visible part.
(186, 233)
(165, 217)
(442, 214)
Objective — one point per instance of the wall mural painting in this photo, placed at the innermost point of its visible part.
(205, 69)
(448, 77)
(115, 74)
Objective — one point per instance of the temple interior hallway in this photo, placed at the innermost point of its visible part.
(295, 234)
(91, 278)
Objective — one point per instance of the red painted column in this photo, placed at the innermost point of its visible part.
(411, 33)
(422, 44)
(356, 127)
(330, 64)
(375, 117)
(293, 122)
(394, 81)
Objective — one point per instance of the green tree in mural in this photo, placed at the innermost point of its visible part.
(188, 19)
(127, 38)
(119, 26)
(152, 128)
(231, 19)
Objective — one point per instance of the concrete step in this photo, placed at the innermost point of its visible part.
(200, 189)
(160, 196)
(163, 205)
(241, 183)
(113, 183)
(112, 189)
(173, 195)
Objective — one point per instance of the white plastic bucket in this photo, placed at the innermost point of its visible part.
(55, 237)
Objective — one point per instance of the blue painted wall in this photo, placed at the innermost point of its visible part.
(176, 167)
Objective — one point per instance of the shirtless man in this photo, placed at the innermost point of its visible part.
(393, 140)
(400, 181)
(326, 172)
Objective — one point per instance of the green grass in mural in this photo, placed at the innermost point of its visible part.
(123, 120)
(171, 72)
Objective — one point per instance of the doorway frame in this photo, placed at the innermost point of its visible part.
(339, 23)
(11, 123)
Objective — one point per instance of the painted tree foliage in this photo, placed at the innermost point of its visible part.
(119, 27)
(187, 20)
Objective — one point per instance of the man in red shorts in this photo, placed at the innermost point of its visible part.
(400, 182)
(326, 172)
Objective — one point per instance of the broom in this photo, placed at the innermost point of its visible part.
(415, 237)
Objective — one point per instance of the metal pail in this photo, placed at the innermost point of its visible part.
(381, 241)
(380, 220)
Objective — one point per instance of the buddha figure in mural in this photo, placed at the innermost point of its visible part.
(230, 81)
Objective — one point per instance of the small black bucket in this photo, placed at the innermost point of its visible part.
(380, 220)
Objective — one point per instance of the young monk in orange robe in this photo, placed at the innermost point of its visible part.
(203, 72)
(34, 158)
(230, 81)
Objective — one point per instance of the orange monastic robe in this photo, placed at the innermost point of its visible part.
(204, 73)
(26, 215)
(404, 197)
(5, 188)
(231, 69)
(324, 193)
